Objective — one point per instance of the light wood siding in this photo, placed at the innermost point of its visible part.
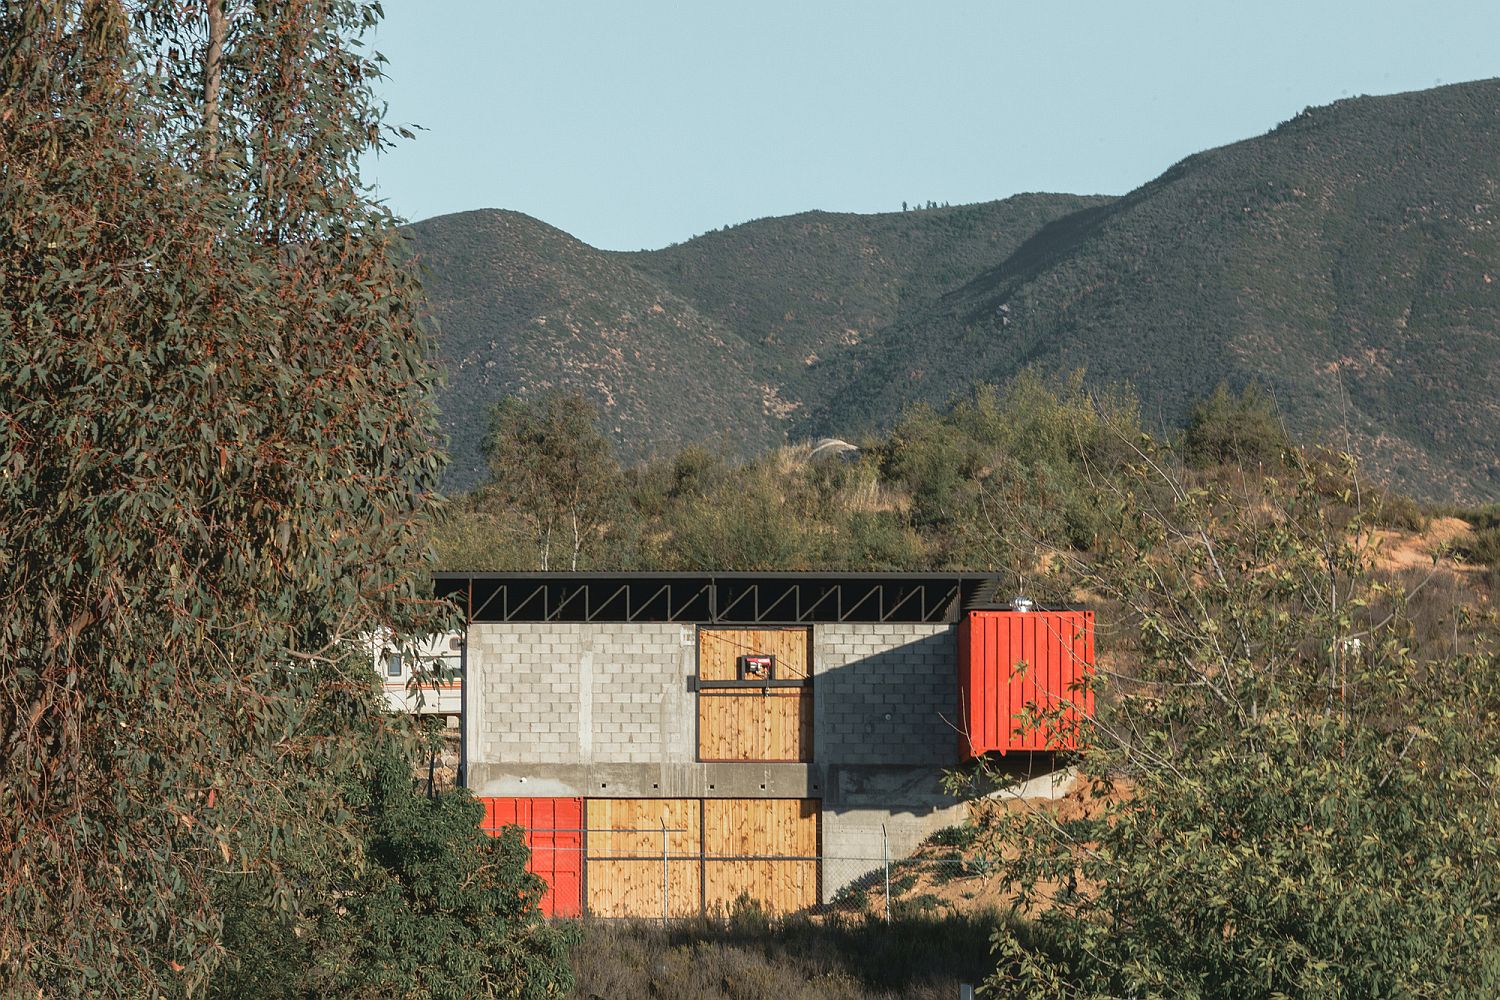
(719, 651)
(771, 842)
(625, 857)
(776, 724)
(755, 724)
(717, 851)
(634, 889)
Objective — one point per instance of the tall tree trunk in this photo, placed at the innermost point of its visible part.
(577, 541)
(213, 70)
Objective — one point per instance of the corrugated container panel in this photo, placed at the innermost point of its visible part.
(1013, 661)
(554, 832)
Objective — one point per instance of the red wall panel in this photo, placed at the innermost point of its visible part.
(1009, 660)
(554, 832)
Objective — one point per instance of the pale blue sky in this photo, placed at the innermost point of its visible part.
(638, 123)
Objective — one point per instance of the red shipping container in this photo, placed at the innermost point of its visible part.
(1009, 660)
(554, 832)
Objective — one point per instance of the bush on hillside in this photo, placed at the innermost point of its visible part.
(551, 470)
(1278, 809)
(1226, 429)
(438, 911)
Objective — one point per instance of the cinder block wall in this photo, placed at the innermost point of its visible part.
(884, 694)
(607, 709)
(580, 694)
(883, 734)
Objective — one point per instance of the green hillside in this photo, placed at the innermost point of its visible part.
(524, 307)
(709, 340)
(1349, 261)
(807, 287)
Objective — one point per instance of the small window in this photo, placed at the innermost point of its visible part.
(393, 664)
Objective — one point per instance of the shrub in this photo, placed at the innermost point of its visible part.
(439, 910)
(1226, 429)
(1277, 811)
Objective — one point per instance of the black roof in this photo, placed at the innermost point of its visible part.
(717, 598)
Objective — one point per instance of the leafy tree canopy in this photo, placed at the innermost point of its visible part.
(1290, 791)
(217, 474)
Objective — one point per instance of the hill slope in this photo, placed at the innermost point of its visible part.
(707, 340)
(1349, 260)
(524, 307)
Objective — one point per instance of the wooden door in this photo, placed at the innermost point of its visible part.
(742, 719)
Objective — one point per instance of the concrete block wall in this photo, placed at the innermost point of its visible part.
(885, 694)
(885, 698)
(580, 694)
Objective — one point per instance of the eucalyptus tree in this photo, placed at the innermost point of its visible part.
(217, 470)
(552, 469)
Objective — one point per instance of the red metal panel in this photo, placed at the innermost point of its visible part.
(553, 830)
(1057, 651)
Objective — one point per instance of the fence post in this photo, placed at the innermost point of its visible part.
(663, 871)
(885, 858)
(965, 992)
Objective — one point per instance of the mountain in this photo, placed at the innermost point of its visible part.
(523, 307)
(1348, 261)
(707, 341)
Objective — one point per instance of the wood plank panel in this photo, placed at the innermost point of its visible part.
(754, 832)
(778, 887)
(719, 651)
(776, 724)
(625, 857)
(634, 889)
(760, 827)
(628, 828)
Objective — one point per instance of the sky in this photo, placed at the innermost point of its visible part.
(633, 124)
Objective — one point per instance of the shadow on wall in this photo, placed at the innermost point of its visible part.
(887, 730)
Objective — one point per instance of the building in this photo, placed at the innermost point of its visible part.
(671, 742)
(440, 662)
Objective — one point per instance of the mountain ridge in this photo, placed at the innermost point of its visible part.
(1347, 261)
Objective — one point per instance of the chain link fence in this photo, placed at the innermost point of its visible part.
(875, 886)
(651, 876)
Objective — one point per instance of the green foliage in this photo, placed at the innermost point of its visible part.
(1004, 473)
(1226, 429)
(217, 460)
(438, 910)
(448, 912)
(1392, 510)
(1484, 547)
(961, 835)
(1002, 480)
(551, 469)
(1293, 794)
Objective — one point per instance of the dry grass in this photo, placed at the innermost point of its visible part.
(750, 957)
